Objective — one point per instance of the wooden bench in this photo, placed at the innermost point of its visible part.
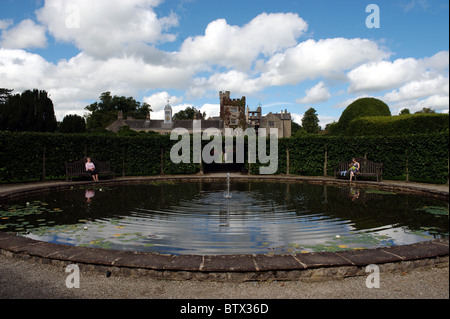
(367, 168)
(78, 168)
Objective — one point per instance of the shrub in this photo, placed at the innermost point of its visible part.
(361, 108)
(399, 125)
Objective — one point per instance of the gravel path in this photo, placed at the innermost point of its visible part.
(24, 279)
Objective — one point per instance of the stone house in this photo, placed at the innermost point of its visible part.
(163, 127)
(233, 114)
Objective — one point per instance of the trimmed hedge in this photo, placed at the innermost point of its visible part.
(399, 125)
(34, 156)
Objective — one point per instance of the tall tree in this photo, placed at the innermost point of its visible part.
(4, 95)
(426, 110)
(30, 111)
(103, 113)
(188, 114)
(310, 121)
(405, 112)
(72, 124)
(5, 111)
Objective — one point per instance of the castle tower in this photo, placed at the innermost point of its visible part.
(232, 111)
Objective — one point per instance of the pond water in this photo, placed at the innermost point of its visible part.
(196, 218)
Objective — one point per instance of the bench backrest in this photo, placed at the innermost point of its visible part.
(367, 167)
(79, 167)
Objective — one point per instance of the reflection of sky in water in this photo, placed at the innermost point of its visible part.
(264, 218)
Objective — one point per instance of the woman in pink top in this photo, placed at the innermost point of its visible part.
(90, 169)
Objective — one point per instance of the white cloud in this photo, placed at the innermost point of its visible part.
(424, 87)
(83, 78)
(378, 76)
(297, 118)
(26, 34)
(6, 23)
(238, 47)
(384, 75)
(435, 102)
(211, 110)
(103, 28)
(324, 58)
(414, 83)
(438, 62)
(159, 100)
(22, 70)
(328, 58)
(316, 94)
(234, 81)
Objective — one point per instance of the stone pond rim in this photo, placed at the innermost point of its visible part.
(312, 265)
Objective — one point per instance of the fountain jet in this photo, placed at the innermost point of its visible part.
(227, 194)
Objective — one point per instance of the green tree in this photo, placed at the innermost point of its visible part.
(405, 112)
(188, 114)
(426, 110)
(5, 111)
(103, 113)
(310, 121)
(72, 124)
(4, 95)
(30, 111)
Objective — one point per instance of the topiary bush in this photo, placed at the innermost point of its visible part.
(361, 108)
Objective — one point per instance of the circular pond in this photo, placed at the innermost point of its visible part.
(198, 218)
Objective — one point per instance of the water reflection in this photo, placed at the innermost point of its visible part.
(90, 193)
(261, 217)
(354, 193)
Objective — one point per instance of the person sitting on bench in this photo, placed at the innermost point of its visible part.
(354, 169)
(91, 170)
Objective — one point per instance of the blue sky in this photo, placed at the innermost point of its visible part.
(283, 54)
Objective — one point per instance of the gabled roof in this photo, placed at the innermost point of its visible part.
(156, 125)
(286, 116)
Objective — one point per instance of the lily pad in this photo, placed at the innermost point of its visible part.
(378, 191)
(435, 210)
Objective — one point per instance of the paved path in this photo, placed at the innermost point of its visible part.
(26, 279)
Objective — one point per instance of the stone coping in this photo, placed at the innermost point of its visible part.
(226, 267)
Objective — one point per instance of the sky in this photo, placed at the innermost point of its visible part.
(282, 55)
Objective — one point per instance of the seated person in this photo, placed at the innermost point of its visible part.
(90, 169)
(354, 169)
